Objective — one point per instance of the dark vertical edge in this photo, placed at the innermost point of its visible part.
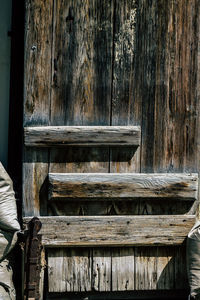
(16, 98)
(15, 138)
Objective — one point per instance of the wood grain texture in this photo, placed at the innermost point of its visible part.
(155, 268)
(82, 62)
(72, 269)
(115, 230)
(81, 86)
(123, 269)
(118, 269)
(154, 83)
(167, 38)
(102, 185)
(166, 89)
(37, 79)
(82, 136)
(37, 66)
(102, 269)
(124, 109)
(35, 170)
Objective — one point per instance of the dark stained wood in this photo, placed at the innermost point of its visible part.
(82, 62)
(82, 136)
(123, 110)
(166, 60)
(115, 230)
(124, 186)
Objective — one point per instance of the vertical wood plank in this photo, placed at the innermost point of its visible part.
(123, 268)
(35, 170)
(56, 274)
(167, 88)
(145, 268)
(82, 58)
(37, 82)
(165, 268)
(37, 67)
(81, 91)
(167, 53)
(125, 111)
(101, 270)
(69, 270)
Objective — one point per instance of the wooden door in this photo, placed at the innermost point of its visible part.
(112, 63)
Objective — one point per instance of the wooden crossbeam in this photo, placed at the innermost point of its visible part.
(56, 136)
(119, 186)
(115, 230)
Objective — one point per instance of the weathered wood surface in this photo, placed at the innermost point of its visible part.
(133, 186)
(167, 63)
(119, 269)
(81, 93)
(123, 268)
(82, 136)
(82, 62)
(124, 109)
(154, 84)
(76, 266)
(166, 86)
(115, 230)
(37, 79)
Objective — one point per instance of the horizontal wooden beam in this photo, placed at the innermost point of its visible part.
(56, 136)
(120, 186)
(115, 230)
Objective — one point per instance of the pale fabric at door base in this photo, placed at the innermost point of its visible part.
(8, 233)
(193, 261)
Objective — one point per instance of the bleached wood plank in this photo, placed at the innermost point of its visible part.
(69, 270)
(55, 136)
(103, 185)
(146, 268)
(115, 230)
(123, 267)
(101, 270)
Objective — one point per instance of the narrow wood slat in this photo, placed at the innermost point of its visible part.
(49, 136)
(115, 230)
(129, 186)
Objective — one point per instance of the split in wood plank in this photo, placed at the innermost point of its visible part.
(129, 186)
(55, 136)
(115, 230)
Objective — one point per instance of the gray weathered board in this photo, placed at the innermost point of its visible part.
(129, 186)
(115, 230)
(113, 63)
(48, 136)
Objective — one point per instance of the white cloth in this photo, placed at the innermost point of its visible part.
(8, 233)
(193, 261)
